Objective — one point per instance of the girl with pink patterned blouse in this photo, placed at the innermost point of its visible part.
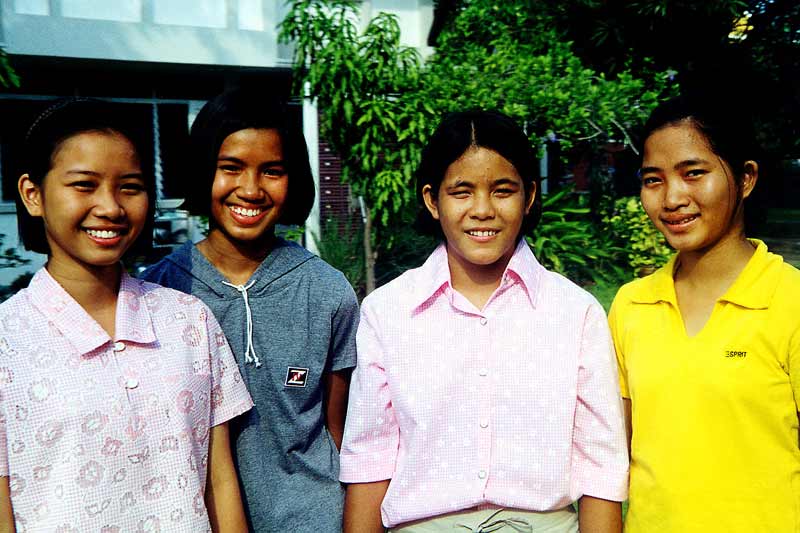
(485, 396)
(114, 393)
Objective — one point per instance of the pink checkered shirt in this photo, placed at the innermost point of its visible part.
(102, 436)
(516, 405)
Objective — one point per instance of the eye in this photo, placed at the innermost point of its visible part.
(650, 181)
(695, 173)
(504, 192)
(460, 193)
(133, 187)
(82, 185)
(228, 168)
(274, 172)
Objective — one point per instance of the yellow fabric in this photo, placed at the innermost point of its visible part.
(715, 427)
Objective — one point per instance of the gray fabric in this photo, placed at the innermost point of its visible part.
(305, 315)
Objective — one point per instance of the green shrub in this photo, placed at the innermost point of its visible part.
(628, 224)
(567, 241)
(343, 249)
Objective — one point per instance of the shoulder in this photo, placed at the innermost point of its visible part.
(558, 286)
(399, 295)
(155, 292)
(175, 266)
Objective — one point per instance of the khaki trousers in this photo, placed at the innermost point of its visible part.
(500, 520)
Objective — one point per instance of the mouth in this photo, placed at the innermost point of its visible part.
(246, 212)
(105, 237)
(678, 221)
(482, 233)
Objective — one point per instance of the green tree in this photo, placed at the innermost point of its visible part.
(378, 101)
(8, 77)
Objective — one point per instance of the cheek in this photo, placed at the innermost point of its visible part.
(650, 203)
(278, 191)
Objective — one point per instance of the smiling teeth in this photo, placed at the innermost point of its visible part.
(683, 220)
(102, 234)
(245, 212)
(482, 233)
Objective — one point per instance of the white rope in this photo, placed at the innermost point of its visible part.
(249, 354)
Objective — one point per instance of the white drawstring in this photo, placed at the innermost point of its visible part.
(250, 354)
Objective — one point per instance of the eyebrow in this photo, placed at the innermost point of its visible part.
(81, 172)
(231, 159)
(678, 166)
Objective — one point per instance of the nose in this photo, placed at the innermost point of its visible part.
(482, 207)
(250, 186)
(108, 204)
(675, 195)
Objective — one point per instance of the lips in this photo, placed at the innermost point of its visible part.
(247, 215)
(105, 237)
(482, 232)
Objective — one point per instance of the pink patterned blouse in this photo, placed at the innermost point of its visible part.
(111, 435)
(514, 405)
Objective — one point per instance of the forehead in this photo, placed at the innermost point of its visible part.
(95, 145)
(481, 163)
(253, 141)
(678, 141)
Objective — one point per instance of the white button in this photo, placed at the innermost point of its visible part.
(483, 372)
(483, 321)
(118, 346)
(131, 383)
(482, 474)
(484, 423)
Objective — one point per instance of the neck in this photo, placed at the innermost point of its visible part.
(718, 266)
(236, 260)
(95, 288)
(476, 282)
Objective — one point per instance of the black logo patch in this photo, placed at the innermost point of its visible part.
(296, 377)
(738, 354)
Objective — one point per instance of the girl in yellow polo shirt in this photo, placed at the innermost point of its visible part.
(709, 345)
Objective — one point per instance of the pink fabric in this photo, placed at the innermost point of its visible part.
(516, 405)
(111, 436)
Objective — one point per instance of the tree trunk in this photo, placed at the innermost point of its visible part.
(369, 254)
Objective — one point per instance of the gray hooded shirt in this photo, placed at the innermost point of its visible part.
(304, 316)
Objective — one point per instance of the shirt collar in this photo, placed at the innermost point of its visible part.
(753, 289)
(434, 275)
(756, 285)
(133, 321)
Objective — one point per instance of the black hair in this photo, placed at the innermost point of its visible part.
(457, 133)
(62, 120)
(241, 109)
(730, 136)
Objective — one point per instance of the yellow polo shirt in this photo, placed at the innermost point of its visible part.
(715, 427)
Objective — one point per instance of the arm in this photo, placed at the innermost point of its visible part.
(626, 408)
(362, 507)
(599, 516)
(223, 501)
(334, 402)
(6, 513)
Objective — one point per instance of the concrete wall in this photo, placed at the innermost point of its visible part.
(213, 32)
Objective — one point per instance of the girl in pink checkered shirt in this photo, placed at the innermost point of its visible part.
(485, 396)
(114, 393)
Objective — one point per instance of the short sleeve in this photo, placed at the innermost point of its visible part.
(599, 447)
(4, 467)
(371, 434)
(344, 327)
(613, 322)
(229, 395)
(794, 366)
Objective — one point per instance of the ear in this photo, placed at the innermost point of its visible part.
(31, 195)
(749, 178)
(431, 203)
(531, 197)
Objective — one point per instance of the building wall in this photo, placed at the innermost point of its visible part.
(209, 32)
(161, 53)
